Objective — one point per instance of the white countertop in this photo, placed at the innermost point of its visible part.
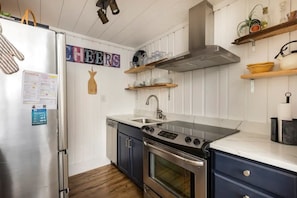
(253, 146)
(260, 148)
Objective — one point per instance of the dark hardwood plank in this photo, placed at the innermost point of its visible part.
(106, 181)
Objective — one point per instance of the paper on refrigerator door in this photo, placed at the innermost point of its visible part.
(40, 89)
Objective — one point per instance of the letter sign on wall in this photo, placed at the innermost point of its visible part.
(90, 56)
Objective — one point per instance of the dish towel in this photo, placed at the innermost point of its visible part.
(7, 51)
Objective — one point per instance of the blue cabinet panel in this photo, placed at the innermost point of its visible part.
(269, 180)
(130, 152)
(123, 153)
(137, 162)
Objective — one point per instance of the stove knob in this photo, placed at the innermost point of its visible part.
(196, 142)
(151, 129)
(146, 128)
(188, 139)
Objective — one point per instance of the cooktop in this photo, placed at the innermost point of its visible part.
(186, 133)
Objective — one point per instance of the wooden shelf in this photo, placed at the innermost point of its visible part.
(152, 87)
(139, 69)
(269, 74)
(143, 68)
(271, 31)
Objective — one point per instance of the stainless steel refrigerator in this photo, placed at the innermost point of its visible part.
(33, 143)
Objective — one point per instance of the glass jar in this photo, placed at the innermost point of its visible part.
(265, 20)
(283, 11)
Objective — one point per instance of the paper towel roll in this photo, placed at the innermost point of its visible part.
(283, 113)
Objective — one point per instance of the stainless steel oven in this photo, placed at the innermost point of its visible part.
(169, 172)
(176, 159)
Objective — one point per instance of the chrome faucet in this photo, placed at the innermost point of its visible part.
(160, 114)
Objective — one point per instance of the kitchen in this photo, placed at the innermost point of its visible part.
(251, 102)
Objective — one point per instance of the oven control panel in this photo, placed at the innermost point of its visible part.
(173, 137)
(166, 134)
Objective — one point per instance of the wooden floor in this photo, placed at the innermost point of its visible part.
(105, 182)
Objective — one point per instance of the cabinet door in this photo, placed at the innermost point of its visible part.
(123, 153)
(136, 161)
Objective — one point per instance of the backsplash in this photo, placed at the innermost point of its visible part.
(219, 92)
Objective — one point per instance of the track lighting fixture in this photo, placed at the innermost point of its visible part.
(103, 4)
(114, 7)
(102, 15)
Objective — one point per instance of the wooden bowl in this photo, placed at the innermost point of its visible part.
(260, 67)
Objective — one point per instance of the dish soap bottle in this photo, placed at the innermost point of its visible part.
(265, 21)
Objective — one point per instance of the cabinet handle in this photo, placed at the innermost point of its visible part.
(246, 196)
(129, 143)
(246, 173)
(126, 142)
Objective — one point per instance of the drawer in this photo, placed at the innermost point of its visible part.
(271, 179)
(226, 187)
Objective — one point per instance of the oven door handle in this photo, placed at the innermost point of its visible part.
(190, 161)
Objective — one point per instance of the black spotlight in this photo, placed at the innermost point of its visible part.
(102, 15)
(114, 7)
(103, 4)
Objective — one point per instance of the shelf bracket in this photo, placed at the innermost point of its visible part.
(253, 44)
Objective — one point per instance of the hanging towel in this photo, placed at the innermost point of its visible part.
(7, 51)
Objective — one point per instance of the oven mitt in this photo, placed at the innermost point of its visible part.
(7, 51)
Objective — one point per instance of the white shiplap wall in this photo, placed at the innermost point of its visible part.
(213, 92)
(87, 113)
(218, 91)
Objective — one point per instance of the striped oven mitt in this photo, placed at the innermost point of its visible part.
(7, 51)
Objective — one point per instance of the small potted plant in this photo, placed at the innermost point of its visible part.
(251, 24)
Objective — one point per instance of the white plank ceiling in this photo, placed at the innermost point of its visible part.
(138, 21)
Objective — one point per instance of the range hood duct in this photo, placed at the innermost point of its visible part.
(202, 52)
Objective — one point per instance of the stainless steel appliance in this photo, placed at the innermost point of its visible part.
(202, 51)
(176, 158)
(33, 124)
(111, 140)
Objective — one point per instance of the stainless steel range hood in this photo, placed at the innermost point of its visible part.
(202, 52)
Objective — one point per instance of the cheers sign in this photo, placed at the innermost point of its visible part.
(89, 56)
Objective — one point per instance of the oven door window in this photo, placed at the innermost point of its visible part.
(174, 178)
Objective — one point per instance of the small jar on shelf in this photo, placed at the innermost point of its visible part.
(283, 11)
(265, 20)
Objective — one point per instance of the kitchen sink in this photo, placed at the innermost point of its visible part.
(146, 120)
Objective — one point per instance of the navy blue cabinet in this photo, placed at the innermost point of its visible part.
(123, 153)
(130, 152)
(234, 176)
